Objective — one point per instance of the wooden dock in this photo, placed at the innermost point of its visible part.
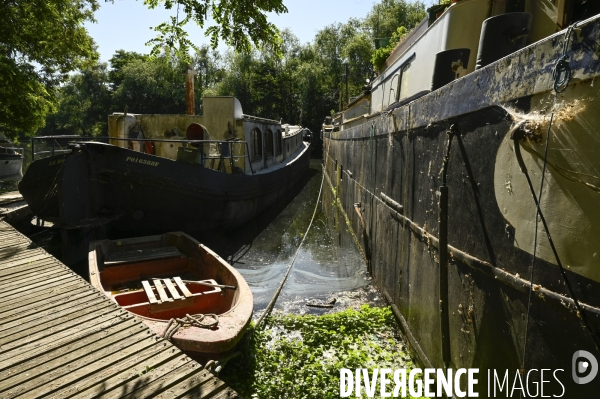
(13, 207)
(61, 338)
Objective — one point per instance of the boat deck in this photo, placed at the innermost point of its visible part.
(61, 338)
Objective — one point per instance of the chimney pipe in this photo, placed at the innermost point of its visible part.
(189, 90)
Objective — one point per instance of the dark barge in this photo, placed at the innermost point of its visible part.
(152, 179)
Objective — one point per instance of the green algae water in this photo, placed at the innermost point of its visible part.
(326, 270)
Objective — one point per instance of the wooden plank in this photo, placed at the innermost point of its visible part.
(26, 267)
(17, 239)
(42, 273)
(102, 324)
(29, 278)
(23, 275)
(226, 393)
(29, 307)
(166, 381)
(111, 378)
(10, 197)
(22, 318)
(45, 384)
(172, 288)
(20, 261)
(33, 297)
(42, 358)
(132, 380)
(182, 287)
(209, 388)
(10, 247)
(161, 291)
(47, 329)
(138, 255)
(47, 320)
(12, 234)
(15, 293)
(52, 363)
(149, 291)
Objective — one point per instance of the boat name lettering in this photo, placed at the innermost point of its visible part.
(142, 161)
(56, 162)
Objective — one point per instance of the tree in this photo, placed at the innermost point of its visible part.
(152, 86)
(40, 42)
(118, 62)
(239, 23)
(388, 15)
(82, 104)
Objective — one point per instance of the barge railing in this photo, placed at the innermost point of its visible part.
(218, 145)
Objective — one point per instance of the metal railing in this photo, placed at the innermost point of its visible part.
(11, 151)
(221, 149)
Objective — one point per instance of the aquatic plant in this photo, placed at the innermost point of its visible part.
(300, 356)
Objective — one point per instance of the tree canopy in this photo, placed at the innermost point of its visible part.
(300, 85)
(238, 23)
(40, 42)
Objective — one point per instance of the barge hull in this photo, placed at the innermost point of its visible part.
(399, 155)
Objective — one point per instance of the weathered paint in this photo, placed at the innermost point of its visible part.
(400, 154)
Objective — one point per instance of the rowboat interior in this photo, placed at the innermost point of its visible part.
(163, 277)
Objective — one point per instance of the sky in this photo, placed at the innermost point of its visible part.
(126, 24)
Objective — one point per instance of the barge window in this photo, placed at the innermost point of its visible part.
(269, 143)
(278, 143)
(404, 79)
(256, 144)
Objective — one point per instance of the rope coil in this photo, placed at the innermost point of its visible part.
(562, 73)
(192, 320)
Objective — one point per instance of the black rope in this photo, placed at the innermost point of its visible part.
(580, 311)
(562, 73)
(535, 237)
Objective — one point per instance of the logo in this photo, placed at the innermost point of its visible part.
(584, 367)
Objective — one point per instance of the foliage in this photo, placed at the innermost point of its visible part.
(392, 20)
(82, 104)
(152, 86)
(40, 42)
(118, 61)
(381, 54)
(386, 16)
(301, 356)
(239, 23)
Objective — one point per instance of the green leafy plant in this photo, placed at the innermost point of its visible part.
(301, 356)
(381, 54)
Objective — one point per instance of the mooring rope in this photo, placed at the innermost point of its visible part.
(535, 238)
(193, 320)
(562, 70)
(271, 304)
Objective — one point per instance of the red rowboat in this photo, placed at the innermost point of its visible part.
(180, 288)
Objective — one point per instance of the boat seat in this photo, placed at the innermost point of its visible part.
(139, 255)
(163, 294)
